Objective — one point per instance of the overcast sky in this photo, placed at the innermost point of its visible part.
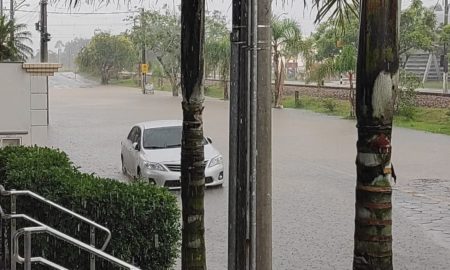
(66, 27)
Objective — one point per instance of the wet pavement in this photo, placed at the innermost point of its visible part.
(313, 175)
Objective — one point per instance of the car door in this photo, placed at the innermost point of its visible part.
(134, 154)
(127, 147)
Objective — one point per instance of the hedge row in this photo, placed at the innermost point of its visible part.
(143, 219)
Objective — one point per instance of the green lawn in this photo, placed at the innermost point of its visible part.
(426, 119)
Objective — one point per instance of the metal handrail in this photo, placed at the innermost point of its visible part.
(27, 260)
(4, 192)
(46, 262)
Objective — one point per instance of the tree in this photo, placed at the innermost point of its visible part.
(193, 255)
(286, 43)
(161, 35)
(308, 53)
(217, 48)
(377, 82)
(16, 49)
(106, 55)
(329, 37)
(417, 29)
(59, 45)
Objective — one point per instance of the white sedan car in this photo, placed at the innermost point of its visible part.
(152, 151)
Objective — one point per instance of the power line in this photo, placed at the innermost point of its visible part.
(78, 13)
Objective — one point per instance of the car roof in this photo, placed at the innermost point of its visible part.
(159, 124)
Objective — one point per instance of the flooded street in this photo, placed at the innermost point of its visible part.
(314, 174)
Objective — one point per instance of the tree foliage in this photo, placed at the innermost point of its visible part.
(16, 49)
(217, 48)
(160, 33)
(106, 55)
(417, 28)
(329, 39)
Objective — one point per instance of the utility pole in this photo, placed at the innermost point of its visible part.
(250, 194)
(45, 36)
(445, 76)
(1, 8)
(144, 60)
(264, 139)
(11, 17)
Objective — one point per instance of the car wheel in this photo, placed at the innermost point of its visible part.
(124, 170)
(152, 182)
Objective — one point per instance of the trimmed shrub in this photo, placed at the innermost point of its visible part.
(143, 219)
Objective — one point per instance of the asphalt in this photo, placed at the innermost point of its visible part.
(313, 175)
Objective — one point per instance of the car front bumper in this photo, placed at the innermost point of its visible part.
(171, 179)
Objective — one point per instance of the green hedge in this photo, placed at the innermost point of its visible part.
(143, 219)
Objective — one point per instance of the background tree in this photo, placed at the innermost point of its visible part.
(160, 32)
(417, 29)
(71, 50)
(308, 53)
(218, 48)
(16, 49)
(106, 55)
(329, 38)
(286, 43)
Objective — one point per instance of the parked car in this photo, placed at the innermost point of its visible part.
(152, 151)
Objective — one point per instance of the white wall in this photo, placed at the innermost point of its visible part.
(23, 105)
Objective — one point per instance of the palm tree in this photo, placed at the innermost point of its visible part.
(193, 253)
(17, 48)
(286, 42)
(377, 81)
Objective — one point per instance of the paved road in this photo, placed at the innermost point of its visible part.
(313, 176)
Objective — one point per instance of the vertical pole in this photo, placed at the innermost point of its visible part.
(253, 46)
(92, 242)
(27, 251)
(445, 76)
(13, 229)
(233, 148)
(44, 34)
(264, 139)
(144, 60)
(1, 8)
(238, 241)
(11, 17)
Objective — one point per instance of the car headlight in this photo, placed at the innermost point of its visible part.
(216, 161)
(154, 166)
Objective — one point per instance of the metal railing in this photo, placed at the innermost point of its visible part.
(15, 234)
(27, 260)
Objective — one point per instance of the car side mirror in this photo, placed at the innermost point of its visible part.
(136, 146)
(209, 139)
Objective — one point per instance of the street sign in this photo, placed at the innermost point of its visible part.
(144, 68)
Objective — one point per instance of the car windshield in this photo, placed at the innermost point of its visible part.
(164, 137)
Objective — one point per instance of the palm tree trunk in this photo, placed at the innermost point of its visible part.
(377, 79)
(193, 255)
(280, 84)
(276, 73)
